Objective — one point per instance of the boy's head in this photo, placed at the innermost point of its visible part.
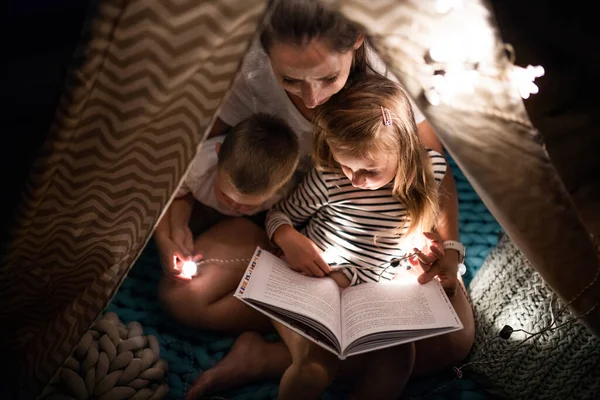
(257, 157)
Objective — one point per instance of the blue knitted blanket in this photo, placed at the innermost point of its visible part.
(189, 352)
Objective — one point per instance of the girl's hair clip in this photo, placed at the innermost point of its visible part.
(387, 116)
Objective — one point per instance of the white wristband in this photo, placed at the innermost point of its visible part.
(458, 246)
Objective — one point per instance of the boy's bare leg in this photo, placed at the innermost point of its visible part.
(250, 359)
(312, 370)
(206, 302)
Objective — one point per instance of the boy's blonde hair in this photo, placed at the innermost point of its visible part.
(352, 123)
(259, 155)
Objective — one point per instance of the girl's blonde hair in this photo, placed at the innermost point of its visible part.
(352, 123)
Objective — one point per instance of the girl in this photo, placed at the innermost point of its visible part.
(374, 186)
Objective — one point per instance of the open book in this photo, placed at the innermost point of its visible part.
(346, 322)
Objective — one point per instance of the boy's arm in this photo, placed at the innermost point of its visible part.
(168, 250)
(180, 212)
(163, 229)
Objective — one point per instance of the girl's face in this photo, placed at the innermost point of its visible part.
(313, 72)
(367, 174)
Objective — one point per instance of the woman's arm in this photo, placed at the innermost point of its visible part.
(447, 226)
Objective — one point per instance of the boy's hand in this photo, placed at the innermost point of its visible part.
(182, 236)
(434, 261)
(172, 258)
(301, 252)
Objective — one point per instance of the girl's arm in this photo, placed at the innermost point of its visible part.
(302, 254)
(300, 205)
(447, 227)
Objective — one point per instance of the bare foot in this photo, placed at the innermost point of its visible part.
(250, 359)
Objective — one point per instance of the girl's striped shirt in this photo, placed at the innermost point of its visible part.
(343, 220)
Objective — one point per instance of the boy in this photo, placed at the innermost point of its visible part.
(241, 173)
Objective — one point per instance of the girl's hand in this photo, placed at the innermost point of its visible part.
(435, 262)
(300, 252)
(429, 249)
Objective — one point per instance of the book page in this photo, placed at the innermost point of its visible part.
(272, 282)
(394, 306)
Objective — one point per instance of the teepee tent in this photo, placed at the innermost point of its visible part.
(147, 83)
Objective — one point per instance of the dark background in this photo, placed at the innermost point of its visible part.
(38, 38)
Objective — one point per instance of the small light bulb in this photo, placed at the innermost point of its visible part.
(189, 269)
(433, 97)
(441, 52)
(444, 6)
(332, 256)
(404, 277)
(523, 79)
(536, 71)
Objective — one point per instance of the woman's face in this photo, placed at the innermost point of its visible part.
(313, 72)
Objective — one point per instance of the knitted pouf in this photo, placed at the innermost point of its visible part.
(112, 362)
(560, 364)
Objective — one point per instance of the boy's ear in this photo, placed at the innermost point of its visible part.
(217, 147)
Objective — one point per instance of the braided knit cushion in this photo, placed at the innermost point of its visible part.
(559, 364)
(112, 362)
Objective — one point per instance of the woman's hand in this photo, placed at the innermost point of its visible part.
(435, 262)
(300, 252)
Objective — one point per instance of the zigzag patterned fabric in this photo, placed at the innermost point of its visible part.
(148, 79)
(559, 364)
(189, 351)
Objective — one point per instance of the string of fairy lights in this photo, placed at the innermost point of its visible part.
(458, 59)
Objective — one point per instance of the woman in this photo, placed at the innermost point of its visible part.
(307, 54)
